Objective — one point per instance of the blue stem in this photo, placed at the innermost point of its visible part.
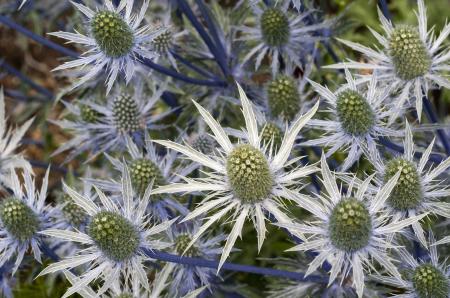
(193, 67)
(429, 111)
(220, 58)
(11, 24)
(167, 71)
(9, 68)
(384, 9)
(163, 256)
(213, 29)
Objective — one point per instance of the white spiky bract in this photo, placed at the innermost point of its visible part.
(432, 189)
(221, 197)
(35, 200)
(100, 266)
(9, 141)
(382, 64)
(301, 36)
(95, 59)
(336, 137)
(348, 263)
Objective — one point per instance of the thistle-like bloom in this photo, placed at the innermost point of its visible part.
(103, 128)
(9, 141)
(349, 229)
(22, 216)
(147, 167)
(280, 35)
(186, 278)
(421, 279)
(411, 59)
(114, 40)
(245, 177)
(114, 239)
(357, 119)
(418, 190)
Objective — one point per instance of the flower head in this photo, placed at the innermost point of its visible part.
(280, 34)
(105, 127)
(22, 216)
(245, 177)
(411, 60)
(350, 229)
(358, 118)
(418, 190)
(115, 40)
(114, 239)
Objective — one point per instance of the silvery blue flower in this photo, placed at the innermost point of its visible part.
(412, 59)
(114, 239)
(23, 215)
(246, 177)
(115, 40)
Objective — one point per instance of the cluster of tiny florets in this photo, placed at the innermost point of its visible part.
(409, 53)
(88, 114)
(143, 171)
(430, 282)
(181, 243)
(355, 114)
(162, 42)
(19, 219)
(203, 143)
(283, 97)
(271, 133)
(115, 235)
(275, 27)
(74, 214)
(112, 34)
(249, 174)
(407, 193)
(350, 225)
(126, 113)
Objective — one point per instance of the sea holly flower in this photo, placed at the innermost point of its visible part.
(22, 216)
(187, 278)
(412, 58)
(102, 128)
(245, 177)
(349, 230)
(9, 141)
(421, 278)
(280, 34)
(114, 239)
(146, 166)
(419, 190)
(357, 118)
(114, 39)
